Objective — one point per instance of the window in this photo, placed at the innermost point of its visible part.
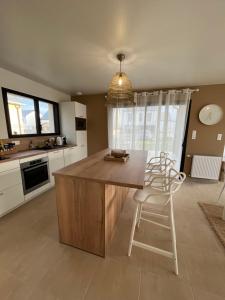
(27, 115)
(21, 114)
(46, 114)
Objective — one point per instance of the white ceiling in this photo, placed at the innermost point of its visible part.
(70, 45)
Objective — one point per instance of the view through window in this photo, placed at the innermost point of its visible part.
(46, 117)
(28, 115)
(153, 128)
(22, 115)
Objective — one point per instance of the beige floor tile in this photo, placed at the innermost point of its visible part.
(198, 234)
(31, 257)
(206, 269)
(70, 278)
(114, 281)
(202, 295)
(140, 258)
(31, 292)
(158, 287)
(8, 283)
(34, 265)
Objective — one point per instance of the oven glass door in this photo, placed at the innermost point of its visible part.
(35, 177)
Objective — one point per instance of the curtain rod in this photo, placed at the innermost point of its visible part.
(166, 92)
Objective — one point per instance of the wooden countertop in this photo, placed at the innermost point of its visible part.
(27, 153)
(129, 174)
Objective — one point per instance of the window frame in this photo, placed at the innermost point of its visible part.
(5, 91)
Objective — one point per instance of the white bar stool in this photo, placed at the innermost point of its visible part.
(155, 162)
(150, 196)
(166, 165)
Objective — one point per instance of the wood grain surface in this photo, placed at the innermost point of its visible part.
(129, 174)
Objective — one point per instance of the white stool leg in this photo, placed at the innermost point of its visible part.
(173, 235)
(133, 228)
(139, 215)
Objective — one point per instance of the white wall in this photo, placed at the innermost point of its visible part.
(22, 84)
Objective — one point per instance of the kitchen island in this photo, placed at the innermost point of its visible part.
(90, 195)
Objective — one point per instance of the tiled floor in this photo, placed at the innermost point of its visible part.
(35, 266)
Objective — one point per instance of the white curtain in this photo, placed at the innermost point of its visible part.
(156, 123)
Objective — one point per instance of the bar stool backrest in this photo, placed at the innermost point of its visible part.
(174, 181)
(158, 159)
(163, 154)
(167, 165)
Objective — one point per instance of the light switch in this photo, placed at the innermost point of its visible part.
(219, 137)
(194, 134)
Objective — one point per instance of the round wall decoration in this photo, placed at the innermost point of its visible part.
(211, 114)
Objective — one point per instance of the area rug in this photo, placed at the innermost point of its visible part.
(213, 213)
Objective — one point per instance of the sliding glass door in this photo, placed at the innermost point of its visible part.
(157, 127)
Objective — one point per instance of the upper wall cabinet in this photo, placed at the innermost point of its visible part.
(80, 110)
(69, 111)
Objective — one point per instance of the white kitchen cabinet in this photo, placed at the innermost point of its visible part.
(82, 138)
(9, 165)
(11, 189)
(10, 178)
(68, 112)
(67, 121)
(80, 110)
(82, 143)
(11, 198)
(71, 155)
(56, 162)
(82, 152)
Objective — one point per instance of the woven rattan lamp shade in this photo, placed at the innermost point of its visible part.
(120, 88)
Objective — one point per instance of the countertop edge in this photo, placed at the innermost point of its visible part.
(110, 182)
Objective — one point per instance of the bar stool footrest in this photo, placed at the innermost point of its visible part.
(153, 249)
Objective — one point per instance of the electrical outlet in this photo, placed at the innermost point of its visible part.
(16, 142)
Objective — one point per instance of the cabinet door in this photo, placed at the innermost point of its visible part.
(82, 152)
(10, 198)
(71, 155)
(82, 138)
(75, 156)
(56, 162)
(10, 178)
(10, 165)
(84, 111)
(67, 118)
(66, 157)
(80, 110)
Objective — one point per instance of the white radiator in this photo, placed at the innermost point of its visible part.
(207, 167)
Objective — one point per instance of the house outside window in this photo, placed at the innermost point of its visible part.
(27, 115)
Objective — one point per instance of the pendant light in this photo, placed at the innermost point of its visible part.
(120, 88)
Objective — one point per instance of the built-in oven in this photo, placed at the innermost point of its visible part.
(80, 124)
(34, 174)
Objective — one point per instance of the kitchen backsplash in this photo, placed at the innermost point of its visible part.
(25, 142)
